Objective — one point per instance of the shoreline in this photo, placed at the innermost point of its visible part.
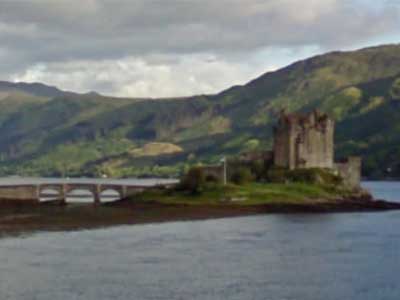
(21, 220)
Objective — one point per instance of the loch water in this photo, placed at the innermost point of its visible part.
(282, 256)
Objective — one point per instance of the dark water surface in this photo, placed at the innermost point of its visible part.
(326, 256)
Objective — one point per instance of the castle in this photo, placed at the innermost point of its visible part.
(307, 141)
(301, 141)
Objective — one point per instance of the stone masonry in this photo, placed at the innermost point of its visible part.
(304, 141)
(350, 170)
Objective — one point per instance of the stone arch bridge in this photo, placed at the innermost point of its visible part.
(33, 192)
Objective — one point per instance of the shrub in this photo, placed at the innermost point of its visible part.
(242, 176)
(258, 169)
(315, 176)
(212, 178)
(329, 178)
(277, 175)
(304, 175)
(194, 180)
(312, 176)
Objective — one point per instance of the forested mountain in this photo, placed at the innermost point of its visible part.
(46, 131)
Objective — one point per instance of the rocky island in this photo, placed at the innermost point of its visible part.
(298, 176)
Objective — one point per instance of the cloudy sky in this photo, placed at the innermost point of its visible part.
(162, 48)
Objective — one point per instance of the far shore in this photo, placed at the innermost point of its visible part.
(17, 220)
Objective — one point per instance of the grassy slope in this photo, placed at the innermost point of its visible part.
(361, 89)
(249, 194)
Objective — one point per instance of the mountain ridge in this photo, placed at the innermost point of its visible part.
(65, 135)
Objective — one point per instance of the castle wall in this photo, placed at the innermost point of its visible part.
(281, 147)
(304, 141)
(350, 171)
(315, 149)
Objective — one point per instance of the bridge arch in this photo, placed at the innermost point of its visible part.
(80, 193)
(116, 191)
(49, 192)
(110, 195)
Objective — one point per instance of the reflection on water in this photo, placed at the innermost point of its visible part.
(300, 256)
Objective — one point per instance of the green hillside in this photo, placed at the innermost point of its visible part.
(45, 131)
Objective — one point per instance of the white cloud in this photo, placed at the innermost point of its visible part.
(160, 48)
(139, 77)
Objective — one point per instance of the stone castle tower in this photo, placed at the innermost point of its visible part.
(304, 141)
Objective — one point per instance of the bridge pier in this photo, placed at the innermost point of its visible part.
(37, 193)
(124, 191)
(96, 194)
(63, 193)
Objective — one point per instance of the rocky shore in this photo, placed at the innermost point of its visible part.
(16, 220)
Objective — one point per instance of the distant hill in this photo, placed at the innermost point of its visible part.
(34, 89)
(45, 131)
